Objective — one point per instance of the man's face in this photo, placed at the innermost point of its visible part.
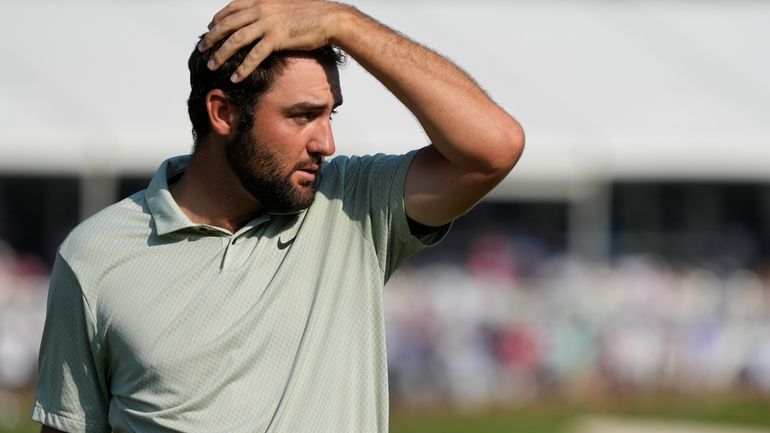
(278, 159)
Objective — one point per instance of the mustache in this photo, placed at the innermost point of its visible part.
(313, 163)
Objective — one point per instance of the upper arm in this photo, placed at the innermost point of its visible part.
(71, 388)
(438, 191)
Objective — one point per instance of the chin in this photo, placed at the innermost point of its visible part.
(305, 195)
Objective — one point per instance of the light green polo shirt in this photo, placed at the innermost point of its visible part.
(157, 324)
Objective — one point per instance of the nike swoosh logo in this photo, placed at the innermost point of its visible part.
(284, 245)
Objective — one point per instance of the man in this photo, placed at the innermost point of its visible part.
(241, 291)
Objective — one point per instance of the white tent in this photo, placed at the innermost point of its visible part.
(604, 89)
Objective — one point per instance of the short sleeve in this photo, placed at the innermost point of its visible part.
(375, 186)
(71, 393)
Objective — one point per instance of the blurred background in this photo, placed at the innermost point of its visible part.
(617, 281)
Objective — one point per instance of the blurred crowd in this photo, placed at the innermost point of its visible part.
(503, 327)
(489, 332)
(23, 290)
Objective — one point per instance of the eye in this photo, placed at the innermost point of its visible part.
(305, 117)
(332, 114)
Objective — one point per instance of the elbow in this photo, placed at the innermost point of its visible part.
(516, 143)
(509, 146)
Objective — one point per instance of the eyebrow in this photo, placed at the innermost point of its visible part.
(304, 107)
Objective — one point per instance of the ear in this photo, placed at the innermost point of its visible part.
(222, 114)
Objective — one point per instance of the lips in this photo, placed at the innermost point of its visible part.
(308, 169)
(308, 173)
(312, 169)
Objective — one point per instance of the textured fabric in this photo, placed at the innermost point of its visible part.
(157, 324)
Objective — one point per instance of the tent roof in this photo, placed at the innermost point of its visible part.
(604, 89)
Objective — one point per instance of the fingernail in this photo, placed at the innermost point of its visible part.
(211, 24)
(234, 78)
(200, 46)
(211, 65)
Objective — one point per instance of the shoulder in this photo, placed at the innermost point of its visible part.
(102, 233)
(345, 163)
(352, 170)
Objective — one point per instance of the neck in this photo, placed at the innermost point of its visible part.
(210, 193)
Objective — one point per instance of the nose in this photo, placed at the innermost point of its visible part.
(323, 140)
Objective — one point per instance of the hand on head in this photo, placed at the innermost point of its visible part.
(279, 25)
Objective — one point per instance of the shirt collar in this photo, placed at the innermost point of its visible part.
(166, 213)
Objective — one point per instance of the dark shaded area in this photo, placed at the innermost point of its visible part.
(36, 213)
(131, 184)
(531, 228)
(723, 224)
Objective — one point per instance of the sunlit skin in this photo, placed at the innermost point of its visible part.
(293, 119)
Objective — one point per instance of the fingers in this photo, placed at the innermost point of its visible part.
(257, 54)
(287, 24)
(225, 26)
(231, 8)
(235, 42)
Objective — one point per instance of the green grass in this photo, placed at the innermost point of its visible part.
(743, 409)
(496, 421)
(15, 413)
(558, 416)
(550, 416)
(23, 427)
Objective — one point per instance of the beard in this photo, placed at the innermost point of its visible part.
(259, 171)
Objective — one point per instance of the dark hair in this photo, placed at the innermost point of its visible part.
(244, 95)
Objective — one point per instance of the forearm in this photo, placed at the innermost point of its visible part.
(475, 143)
(463, 123)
